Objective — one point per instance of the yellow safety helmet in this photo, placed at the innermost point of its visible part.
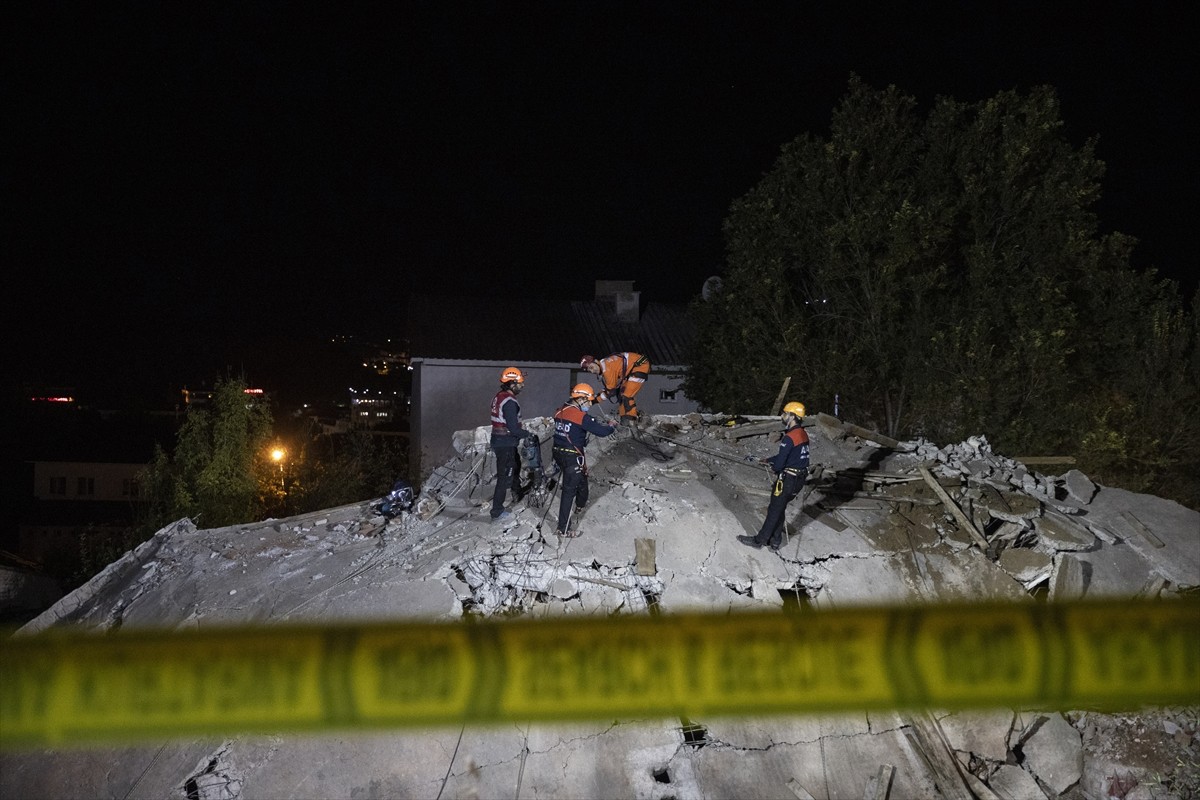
(585, 391)
(794, 408)
(512, 375)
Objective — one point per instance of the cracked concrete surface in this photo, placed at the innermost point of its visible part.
(869, 531)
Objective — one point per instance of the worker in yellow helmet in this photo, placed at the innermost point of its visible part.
(790, 466)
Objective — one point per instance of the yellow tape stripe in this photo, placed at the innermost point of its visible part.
(62, 687)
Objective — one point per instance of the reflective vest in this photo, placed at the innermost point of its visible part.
(499, 424)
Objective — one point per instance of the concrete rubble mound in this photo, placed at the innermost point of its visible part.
(880, 522)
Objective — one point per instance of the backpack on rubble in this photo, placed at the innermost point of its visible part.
(400, 499)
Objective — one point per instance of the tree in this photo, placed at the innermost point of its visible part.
(941, 275)
(219, 453)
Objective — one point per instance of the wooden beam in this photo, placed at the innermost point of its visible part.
(644, 553)
(883, 782)
(1045, 459)
(752, 429)
(870, 435)
(777, 409)
(963, 520)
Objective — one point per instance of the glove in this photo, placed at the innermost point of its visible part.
(600, 398)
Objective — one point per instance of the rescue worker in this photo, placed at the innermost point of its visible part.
(790, 466)
(506, 434)
(572, 424)
(622, 375)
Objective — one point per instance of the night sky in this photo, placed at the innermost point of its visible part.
(189, 185)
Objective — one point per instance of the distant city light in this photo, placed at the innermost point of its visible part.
(54, 399)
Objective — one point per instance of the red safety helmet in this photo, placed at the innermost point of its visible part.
(585, 361)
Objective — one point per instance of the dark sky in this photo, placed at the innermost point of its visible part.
(183, 178)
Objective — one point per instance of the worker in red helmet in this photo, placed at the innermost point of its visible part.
(506, 434)
(572, 424)
(622, 375)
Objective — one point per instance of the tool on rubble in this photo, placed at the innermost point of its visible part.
(553, 490)
(533, 490)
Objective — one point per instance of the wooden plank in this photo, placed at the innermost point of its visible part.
(778, 407)
(883, 783)
(753, 429)
(927, 741)
(873, 436)
(962, 518)
(644, 549)
(1045, 459)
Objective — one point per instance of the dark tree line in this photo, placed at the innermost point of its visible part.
(943, 274)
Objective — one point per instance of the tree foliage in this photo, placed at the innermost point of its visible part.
(221, 471)
(942, 274)
(220, 453)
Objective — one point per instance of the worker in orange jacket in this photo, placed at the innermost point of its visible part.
(623, 375)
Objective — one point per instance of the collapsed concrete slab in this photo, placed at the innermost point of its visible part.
(869, 529)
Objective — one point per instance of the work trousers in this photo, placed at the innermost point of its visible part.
(506, 470)
(574, 481)
(786, 488)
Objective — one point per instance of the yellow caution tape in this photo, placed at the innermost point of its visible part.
(65, 687)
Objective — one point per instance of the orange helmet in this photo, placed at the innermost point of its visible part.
(585, 391)
(512, 375)
(585, 361)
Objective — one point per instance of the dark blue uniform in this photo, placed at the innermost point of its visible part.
(571, 429)
(790, 465)
(506, 433)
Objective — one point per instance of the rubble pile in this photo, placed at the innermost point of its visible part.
(879, 522)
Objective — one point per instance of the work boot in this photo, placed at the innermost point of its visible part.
(750, 541)
(506, 518)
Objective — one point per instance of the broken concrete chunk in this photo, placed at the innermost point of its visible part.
(1062, 533)
(984, 733)
(1054, 754)
(1013, 783)
(1009, 506)
(1028, 567)
(1068, 581)
(1079, 486)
